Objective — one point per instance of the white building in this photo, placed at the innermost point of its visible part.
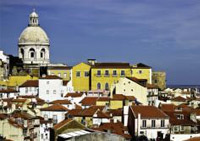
(148, 121)
(34, 43)
(53, 88)
(29, 87)
(131, 86)
(54, 112)
(8, 93)
(4, 65)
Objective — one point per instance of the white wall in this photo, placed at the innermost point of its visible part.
(28, 91)
(181, 137)
(51, 85)
(132, 89)
(60, 115)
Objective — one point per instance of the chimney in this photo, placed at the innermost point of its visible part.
(91, 61)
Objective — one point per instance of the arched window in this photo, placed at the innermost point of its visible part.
(107, 86)
(42, 53)
(98, 86)
(32, 53)
(22, 52)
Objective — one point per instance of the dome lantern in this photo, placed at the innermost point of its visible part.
(33, 19)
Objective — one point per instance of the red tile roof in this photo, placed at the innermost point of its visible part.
(193, 139)
(175, 121)
(74, 94)
(115, 128)
(151, 86)
(103, 99)
(101, 114)
(8, 91)
(65, 101)
(179, 99)
(111, 65)
(19, 100)
(148, 112)
(116, 112)
(30, 83)
(85, 112)
(55, 107)
(50, 77)
(167, 107)
(61, 124)
(122, 97)
(88, 101)
(60, 68)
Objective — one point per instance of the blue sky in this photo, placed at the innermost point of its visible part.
(164, 34)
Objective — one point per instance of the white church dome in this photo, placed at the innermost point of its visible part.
(33, 35)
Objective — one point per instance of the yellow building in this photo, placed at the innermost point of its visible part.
(63, 72)
(104, 75)
(142, 71)
(14, 81)
(81, 77)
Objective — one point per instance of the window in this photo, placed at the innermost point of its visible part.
(180, 116)
(26, 90)
(153, 123)
(155, 81)
(140, 71)
(98, 72)
(47, 91)
(45, 117)
(122, 73)
(98, 86)
(144, 123)
(162, 123)
(42, 53)
(65, 75)
(78, 74)
(86, 73)
(106, 73)
(114, 73)
(54, 119)
(32, 53)
(107, 86)
(54, 91)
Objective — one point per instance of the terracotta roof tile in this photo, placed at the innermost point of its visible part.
(193, 139)
(55, 107)
(115, 128)
(103, 99)
(175, 121)
(179, 99)
(74, 94)
(88, 101)
(101, 114)
(8, 91)
(167, 107)
(148, 112)
(65, 101)
(61, 124)
(111, 65)
(116, 112)
(50, 77)
(19, 100)
(30, 83)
